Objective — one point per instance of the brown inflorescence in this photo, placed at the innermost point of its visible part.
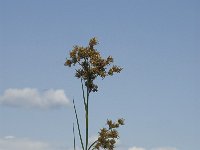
(91, 64)
(107, 137)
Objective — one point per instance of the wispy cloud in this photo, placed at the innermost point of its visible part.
(15, 143)
(165, 148)
(157, 148)
(29, 97)
(22, 144)
(136, 148)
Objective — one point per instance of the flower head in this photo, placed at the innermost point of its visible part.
(91, 64)
(107, 137)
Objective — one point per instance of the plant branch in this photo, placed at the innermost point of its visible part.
(74, 138)
(92, 144)
(79, 131)
(83, 92)
(87, 118)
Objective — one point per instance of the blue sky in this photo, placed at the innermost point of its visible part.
(157, 44)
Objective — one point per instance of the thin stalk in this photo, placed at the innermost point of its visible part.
(79, 131)
(74, 138)
(83, 92)
(87, 109)
(87, 119)
(92, 144)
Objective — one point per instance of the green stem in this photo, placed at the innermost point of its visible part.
(87, 119)
(83, 93)
(79, 131)
(92, 144)
(74, 138)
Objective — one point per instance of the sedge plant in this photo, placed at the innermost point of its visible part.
(89, 65)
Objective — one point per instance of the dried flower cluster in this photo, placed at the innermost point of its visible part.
(91, 64)
(107, 137)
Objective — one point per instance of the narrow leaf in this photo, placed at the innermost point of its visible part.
(92, 144)
(83, 92)
(79, 131)
(74, 138)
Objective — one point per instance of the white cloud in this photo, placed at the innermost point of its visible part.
(165, 148)
(136, 148)
(29, 97)
(13, 143)
(158, 148)
(9, 137)
(22, 144)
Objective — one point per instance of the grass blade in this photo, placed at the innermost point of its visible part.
(79, 131)
(92, 144)
(74, 138)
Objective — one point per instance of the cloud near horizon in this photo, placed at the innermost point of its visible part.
(12, 143)
(158, 148)
(16, 143)
(165, 148)
(136, 148)
(32, 98)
